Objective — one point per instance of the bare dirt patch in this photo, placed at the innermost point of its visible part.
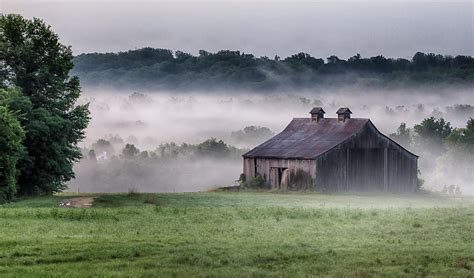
(79, 202)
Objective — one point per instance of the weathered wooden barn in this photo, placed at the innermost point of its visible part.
(339, 154)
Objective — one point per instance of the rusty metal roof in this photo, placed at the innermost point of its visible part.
(304, 139)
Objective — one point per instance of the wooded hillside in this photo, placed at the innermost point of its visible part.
(151, 68)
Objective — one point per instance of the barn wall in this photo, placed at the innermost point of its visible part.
(249, 167)
(262, 166)
(367, 162)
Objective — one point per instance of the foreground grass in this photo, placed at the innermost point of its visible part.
(239, 234)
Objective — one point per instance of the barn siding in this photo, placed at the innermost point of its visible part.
(262, 166)
(367, 162)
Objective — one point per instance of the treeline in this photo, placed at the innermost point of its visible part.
(110, 165)
(164, 69)
(103, 150)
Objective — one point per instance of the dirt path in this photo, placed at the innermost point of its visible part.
(79, 202)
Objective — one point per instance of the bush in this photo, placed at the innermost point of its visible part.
(242, 180)
(256, 182)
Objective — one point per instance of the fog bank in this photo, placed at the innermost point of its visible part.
(148, 119)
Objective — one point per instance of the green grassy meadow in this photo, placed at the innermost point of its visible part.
(239, 234)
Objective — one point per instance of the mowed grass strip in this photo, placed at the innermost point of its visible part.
(240, 234)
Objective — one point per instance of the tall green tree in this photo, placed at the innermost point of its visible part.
(433, 131)
(11, 148)
(33, 59)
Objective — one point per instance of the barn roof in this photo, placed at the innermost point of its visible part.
(304, 139)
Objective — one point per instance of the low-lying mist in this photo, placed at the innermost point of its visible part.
(149, 119)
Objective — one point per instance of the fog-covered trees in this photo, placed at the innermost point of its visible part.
(169, 167)
(251, 135)
(463, 136)
(33, 61)
(446, 153)
(160, 68)
(430, 133)
(130, 151)
(402, 136)
(433, 130)
(210, 148)
(102, 145)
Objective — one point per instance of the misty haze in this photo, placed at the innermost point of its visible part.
(149, 119)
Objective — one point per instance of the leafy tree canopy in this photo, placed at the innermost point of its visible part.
(463, 136)
(33, 60)
(433, 130)
(11, 148)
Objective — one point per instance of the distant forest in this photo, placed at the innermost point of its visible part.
(150, 68)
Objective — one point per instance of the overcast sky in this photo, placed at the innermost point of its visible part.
(323, 28)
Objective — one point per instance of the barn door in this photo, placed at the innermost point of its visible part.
(274, 179)
(279, 177)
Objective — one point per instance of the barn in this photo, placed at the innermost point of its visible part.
(336, 154)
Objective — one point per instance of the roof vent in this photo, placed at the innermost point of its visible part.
(343, 114)
(317, 113)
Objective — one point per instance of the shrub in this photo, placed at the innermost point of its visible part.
(242, 180)
(256, 182)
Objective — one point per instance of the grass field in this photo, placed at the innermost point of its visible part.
(239, 234)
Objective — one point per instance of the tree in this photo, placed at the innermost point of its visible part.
(251, 134)
(467, 136)
(33, 59)
(103, 145)
(402, 136)
(11, 148)
(463, 136)
(304, 59)
(130, 151)
(433, 131)
(213, 148)
(456, 165)
(91, 155)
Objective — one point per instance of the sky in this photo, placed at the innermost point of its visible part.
(397, 28)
